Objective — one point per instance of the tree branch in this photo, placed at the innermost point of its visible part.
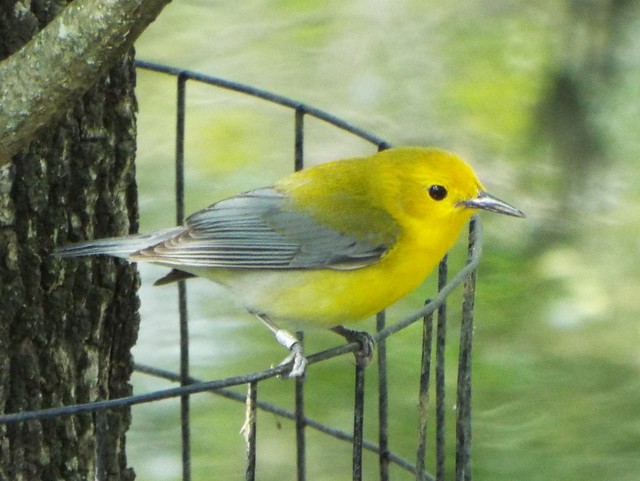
(64, 60)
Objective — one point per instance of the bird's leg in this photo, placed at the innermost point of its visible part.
(365, 355)
(291, 343)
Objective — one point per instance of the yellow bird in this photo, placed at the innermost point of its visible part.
(330, 244)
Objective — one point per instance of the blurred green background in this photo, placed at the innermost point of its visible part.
(540, 97)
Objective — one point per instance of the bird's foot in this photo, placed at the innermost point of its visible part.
(286, 339)
(364, 355)
(296, 359)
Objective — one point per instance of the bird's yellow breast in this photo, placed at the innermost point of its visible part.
(327, 297)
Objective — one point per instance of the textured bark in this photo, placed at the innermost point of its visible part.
(66, 327)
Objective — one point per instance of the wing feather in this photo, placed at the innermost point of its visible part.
(259, 230)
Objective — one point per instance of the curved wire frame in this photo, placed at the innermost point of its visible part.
(190, 386)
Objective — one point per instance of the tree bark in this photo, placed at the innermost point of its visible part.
(67, 327)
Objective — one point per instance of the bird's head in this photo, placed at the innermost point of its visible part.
(435, 184)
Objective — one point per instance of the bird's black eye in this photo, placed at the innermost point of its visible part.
(437, 192)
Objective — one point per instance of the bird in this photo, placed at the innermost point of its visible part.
(327, 245)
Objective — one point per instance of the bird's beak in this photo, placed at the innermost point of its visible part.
(487, 202)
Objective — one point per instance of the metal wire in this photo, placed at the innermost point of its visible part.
(383, 400)
(386, 457)
(441, 335)
(358, 422)
(182, 286)
(463, 399)
(301, 422)
(283, 413)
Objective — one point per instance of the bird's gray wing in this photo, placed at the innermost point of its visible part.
(258, 230)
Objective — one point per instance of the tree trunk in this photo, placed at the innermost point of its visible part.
(67, 327)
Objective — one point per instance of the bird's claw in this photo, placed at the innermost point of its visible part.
(296, 353)
(364, 356)
(297, 360)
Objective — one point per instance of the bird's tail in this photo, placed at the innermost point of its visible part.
(117, 246)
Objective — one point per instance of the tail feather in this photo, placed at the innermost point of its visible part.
(117, 246)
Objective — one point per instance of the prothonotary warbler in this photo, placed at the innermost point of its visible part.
(327, 245)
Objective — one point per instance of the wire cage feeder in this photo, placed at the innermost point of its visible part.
(433, 316)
